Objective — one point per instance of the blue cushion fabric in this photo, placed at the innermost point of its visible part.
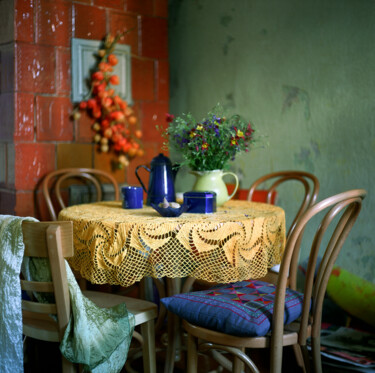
(241, 308)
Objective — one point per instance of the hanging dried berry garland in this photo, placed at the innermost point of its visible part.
(113, 120)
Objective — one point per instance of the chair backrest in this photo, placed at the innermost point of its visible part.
(339, 215)
(275, 179)
(53, 181)
(54, 241)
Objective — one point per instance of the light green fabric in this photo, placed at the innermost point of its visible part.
(11, 254)
(38, 269)
(98, 338)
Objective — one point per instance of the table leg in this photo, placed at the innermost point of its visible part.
(174, 328)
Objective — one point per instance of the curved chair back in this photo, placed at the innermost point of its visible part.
(275, 179)
(336, 216)
(340, 213)
(40, 242)
(53, 182)
(54, 242)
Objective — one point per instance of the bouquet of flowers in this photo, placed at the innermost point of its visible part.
(113, 121)
(211, 143)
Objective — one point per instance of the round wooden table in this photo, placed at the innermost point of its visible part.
(242, 240)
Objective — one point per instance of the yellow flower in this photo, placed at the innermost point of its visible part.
(199, 127)
(192, 134)
(239, 133)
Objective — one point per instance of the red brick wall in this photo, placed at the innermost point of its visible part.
(36, 134)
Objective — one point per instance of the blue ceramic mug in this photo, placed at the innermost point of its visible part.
(133, 197)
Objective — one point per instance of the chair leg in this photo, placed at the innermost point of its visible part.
(238, 365)
(192, 354)
(297, 349)
(148, 348)
(174, 333)
(306, 358)
(276, 359)
(316, 358)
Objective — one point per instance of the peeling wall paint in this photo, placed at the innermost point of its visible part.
(302, 71)
(296, 95)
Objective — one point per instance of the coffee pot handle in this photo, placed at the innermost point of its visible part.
(237, 183)
(138, 177)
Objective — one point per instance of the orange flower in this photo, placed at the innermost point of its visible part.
(107, 102)
(117, 99)
(123, 105)
(113, 120)
(104, 148)
(128, 112)
(96, 126)
(126, 147)
(103, 94)
(140, 152)
(117, 147)
(91, 103)
(138, 134)
(132, 120)
(96, 113)
(98, 75)
(105, 67)
(132, 152)
(119, 127)
(123, 160)
(76, 115)
(114, 80)
(99, 87)
(117, 115)
(112, 60)
(104, 123)
(108, 133)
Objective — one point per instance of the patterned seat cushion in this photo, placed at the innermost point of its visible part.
(242, 308)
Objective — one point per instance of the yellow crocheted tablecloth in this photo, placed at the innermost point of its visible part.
(119, 247)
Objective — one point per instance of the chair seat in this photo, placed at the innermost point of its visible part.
(290, 337)
(44, 327)
(241, 308)
(141, 309)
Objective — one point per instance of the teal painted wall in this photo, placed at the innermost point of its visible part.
(304, 73)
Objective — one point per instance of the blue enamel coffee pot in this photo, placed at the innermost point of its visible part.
(161, 181)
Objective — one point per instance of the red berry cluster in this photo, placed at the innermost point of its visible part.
(113, 121)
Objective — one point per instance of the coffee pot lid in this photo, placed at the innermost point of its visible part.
(161, 159)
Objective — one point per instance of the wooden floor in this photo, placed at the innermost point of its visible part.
(45, 357)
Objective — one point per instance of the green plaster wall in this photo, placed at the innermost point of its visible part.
(304, 72)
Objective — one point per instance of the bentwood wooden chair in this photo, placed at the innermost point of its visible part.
(250, 314)
(271, 183)
(53, 184)
(54, 240)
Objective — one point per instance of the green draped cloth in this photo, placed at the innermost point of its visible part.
(98, 338)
